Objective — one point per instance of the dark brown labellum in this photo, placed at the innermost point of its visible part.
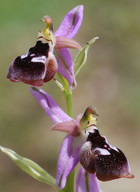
(106, 160)
(35, 67)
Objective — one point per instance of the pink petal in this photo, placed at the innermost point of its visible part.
(52, 109)
(81, 185)
(70, 127)
(71, 23)
(65, 66)
(63, 42)
(68, 159)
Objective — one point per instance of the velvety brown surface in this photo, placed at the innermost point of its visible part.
(110, 81)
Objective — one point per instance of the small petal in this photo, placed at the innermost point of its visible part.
(68, 159)
(65, 66)
(52, 109)
(71, 23)
(80, 181)
(93, 183)
(84, 179)
(70, 127)
(63, 42)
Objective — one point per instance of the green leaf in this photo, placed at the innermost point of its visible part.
(81, 57)
(64, 83)
(30, 167)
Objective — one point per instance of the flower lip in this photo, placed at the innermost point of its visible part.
(107, 161)
(30, 67)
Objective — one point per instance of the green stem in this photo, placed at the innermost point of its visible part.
(69, 106)
(70, 182)
(87, 181)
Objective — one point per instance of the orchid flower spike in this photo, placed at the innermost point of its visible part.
(83, 144)
(39, 64)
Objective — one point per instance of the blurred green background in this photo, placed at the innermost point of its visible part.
(110, 81)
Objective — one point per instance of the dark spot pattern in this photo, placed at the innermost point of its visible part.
(31, 68)
(109, 162)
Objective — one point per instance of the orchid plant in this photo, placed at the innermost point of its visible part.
(83, 143)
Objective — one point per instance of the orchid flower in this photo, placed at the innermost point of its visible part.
(83, 144)
(39, 64)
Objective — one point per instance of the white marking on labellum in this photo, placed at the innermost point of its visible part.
(41, 59)
(91, 129)
(105, 146)
(102, 151)
(32, 55)
(112, 147)
(24, 56)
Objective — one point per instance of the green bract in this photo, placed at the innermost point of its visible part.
(81, 57)
(30, 167)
